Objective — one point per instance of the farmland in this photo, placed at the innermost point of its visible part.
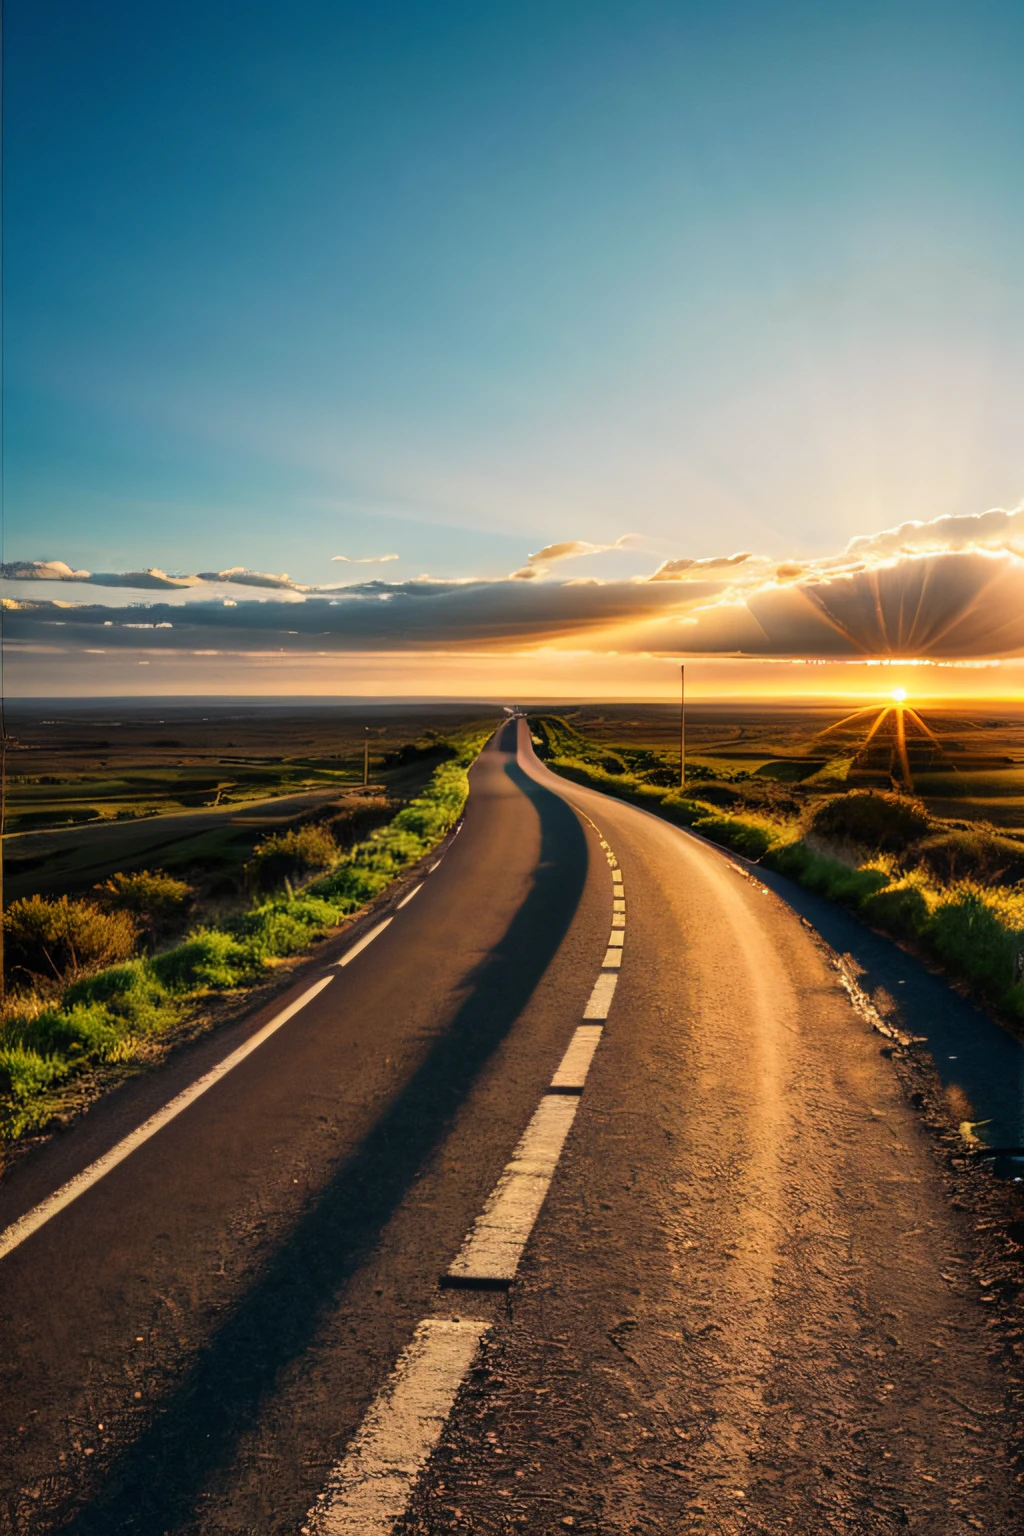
(110, 785)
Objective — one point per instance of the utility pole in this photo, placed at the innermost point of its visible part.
(366, 756)
(682, 727)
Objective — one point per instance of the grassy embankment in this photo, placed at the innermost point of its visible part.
(952, 890)
(87, 1012)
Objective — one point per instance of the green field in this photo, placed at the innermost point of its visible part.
(914, 820)
(970, 767)
(193, 789)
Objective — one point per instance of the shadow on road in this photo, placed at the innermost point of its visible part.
(154, 1484)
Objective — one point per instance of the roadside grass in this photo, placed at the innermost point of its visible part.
(949, 890)
(70, 1021)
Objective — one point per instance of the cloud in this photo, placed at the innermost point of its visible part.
(417, 615)
(949, 589)
(366, 559)
(571, 549)
(994, 529)
(682, 570)
(153, 579)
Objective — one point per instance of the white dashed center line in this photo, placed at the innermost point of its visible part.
(601, 997)
(575, 1064)
(369, 1490)
(491, 1253)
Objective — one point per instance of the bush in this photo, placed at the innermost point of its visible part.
(23, 1072)
(131, 992)
(25, 1081)
(357, 818)
(722, 796)
(883, 823)
(744, 837)
(967, 936)
(827, 877)
(974, 854)
(209, 959)
(286, 927)
(83, 1033)
(285, 855)
(154, 898)
(900, 910)
(53, 942)
(680, 809)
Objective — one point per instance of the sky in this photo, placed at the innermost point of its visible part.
(641, 284)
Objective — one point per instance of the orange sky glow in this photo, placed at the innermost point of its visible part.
(535, 674)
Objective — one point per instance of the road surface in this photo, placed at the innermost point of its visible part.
(745, 1304)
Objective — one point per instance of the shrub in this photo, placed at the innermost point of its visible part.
(898, 909)
(745, 837)
(209, 959)
(25, 1079)
(154, 898)
(84, 1032)
(722, 796)
(285, 927)
(827, 877)
(24, 1072)
(967, 936)
(132, 992)
(974, 854)
(53, 942)
(884, 823)
(680, 809)
(284, 855)
(358, 817)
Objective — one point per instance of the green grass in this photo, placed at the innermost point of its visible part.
(107, 1016)
(970, 926)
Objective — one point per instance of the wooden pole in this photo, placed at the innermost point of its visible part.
(682, 727)
(366, 757)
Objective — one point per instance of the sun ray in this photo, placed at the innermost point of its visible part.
(901, 748)
(932, 736)
(886, 709)
(865, 709)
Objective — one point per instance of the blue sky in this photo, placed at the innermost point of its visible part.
(456, 280)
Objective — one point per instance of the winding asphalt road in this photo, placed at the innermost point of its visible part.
(745, 1304)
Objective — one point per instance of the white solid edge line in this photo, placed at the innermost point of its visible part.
(601, 997)
(19, 1230)
(367, 938)
(406, 899)
(368, 1491)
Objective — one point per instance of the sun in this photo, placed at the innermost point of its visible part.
(899, 694)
